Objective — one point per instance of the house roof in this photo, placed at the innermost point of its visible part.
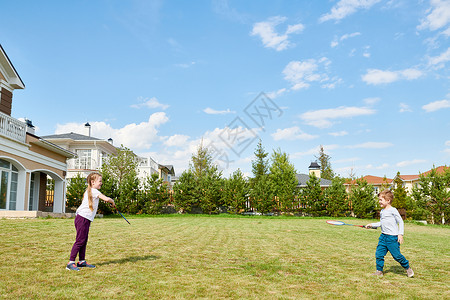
(71, 136)
(439, 170)
(170, 169)
(374, 180)
(304, 178)
(12, 77)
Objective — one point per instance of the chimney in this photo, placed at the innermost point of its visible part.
(30, 127)
(88, 128)
(314, 167)
(110, 140)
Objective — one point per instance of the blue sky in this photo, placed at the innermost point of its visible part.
(367, 79)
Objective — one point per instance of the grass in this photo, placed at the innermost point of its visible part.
(186, 257)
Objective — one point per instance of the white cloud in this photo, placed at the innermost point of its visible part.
(291, 134)
(440, 60)
(211, 111)
(339, 133)
(270, 38)
(404, 108)
(407, 163)
(149, 103)
(371, 145)
(321, 118)
(436, 105)
(302, 73)
(336, 40)
(275, 94)
(345, 8)
(376, 76)
(177, 140)
(438, 16)
(372, 101)
(447, 143)
(133, 136)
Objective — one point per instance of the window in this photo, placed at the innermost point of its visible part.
(83, 161)
(8, 185)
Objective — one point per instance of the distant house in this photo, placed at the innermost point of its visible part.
(377, 182)
(148, 166)
(26, 160)
(314, 168)
(90, 151)
(410, 181)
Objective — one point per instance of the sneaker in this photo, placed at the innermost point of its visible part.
(378, 273)
(72, 267)
(410, 272)
(84, 265)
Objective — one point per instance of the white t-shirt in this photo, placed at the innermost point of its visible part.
(84, 210)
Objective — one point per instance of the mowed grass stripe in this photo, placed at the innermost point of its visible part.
(187, 257)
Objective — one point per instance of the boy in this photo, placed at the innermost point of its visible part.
(391, 237)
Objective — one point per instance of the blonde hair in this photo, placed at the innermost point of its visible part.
(387, 194)
(91, 177)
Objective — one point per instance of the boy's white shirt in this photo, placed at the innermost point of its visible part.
(84, 210)
(391, 222)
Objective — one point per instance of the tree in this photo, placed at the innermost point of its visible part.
(261, 192)
(400, 194)
(201, 161)
(284, 180)
(260, 166)
(75, 191)
(186, 192)
(362, 199)
(120, 172)
(236, 191)
(153, 196)
(326, 172)
(434, 189)
(313, 197)
(337, 198)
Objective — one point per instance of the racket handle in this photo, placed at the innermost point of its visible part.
(369, 227)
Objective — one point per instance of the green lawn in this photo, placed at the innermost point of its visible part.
(218, 257)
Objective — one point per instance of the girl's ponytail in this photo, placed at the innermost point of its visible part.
(91, 177)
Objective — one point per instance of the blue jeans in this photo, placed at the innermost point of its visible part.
(389, 243)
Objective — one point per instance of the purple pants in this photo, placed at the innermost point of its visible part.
(79, 247)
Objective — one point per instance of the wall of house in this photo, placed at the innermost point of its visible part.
(5, 101)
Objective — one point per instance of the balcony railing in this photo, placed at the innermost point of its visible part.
(12, 128)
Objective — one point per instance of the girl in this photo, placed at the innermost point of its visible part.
(391, 237)
(84, 216)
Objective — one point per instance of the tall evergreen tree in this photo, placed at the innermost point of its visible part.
(261, 192)
(363, 199)
(337, 198)
(400, 194)
(313, 197)
(186, 192)
(326, 172)
(236, 191)
(284, 181)
(75, 191)
(260, 166)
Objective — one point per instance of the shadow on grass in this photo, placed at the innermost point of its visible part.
(396, 270)
(128, 259)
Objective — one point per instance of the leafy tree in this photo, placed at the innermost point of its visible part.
(201, 161)
(236, 191)
(75, 191)
(313, 197)
(120, 175)
(284, 181)
(186, 192)
(362, 199)
(337, 198)
(326, 172)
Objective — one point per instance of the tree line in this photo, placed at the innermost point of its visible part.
(273, 189)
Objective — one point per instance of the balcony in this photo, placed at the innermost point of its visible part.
(12, 128)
